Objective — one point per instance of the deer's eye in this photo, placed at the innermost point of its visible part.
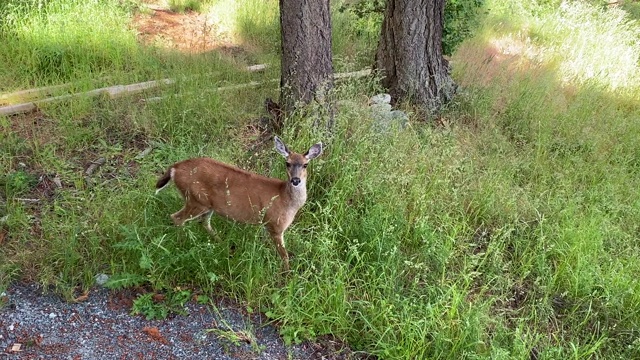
(305, 166)
(288, 165)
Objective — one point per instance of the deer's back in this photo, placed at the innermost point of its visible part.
(228, 190)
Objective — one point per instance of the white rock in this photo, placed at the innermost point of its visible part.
(381, 108)
(380, 99)
(102, 279)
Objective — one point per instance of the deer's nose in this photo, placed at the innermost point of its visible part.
(295, 181)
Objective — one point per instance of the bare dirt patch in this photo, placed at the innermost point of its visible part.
(35, 127)
(190, 32)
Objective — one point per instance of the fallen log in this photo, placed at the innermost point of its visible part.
(121, 90)
(31, 93)
(337, 77)
(112, 91)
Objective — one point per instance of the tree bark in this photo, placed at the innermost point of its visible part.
(409, 53)
(307, 71)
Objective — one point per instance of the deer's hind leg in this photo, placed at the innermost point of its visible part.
(206, 222)
(190, 211)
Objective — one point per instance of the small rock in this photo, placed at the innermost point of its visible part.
(52, 315)
(380, 99)
(101, 279)
(57, 181)
(255, 68)
(381, 108)
(400, 117)
(11, 327)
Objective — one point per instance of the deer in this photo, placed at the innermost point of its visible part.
(210, 186)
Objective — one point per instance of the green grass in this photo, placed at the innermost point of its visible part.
(182, 6)
(506, 228)
(53, 42)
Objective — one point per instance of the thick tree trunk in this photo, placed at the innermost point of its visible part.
(410, 53)
(307, 71)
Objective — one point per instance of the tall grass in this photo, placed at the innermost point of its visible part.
(254, 23)
(562, 109)
(52, 42)
(507, 230)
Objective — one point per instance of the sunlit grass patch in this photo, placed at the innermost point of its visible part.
(253, 23)
(185, 5)
(578, 33)
(60, 41)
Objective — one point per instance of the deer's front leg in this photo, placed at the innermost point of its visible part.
(278, 241)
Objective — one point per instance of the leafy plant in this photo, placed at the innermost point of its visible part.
(202, 299)
(156, 306)
(18, 183)
(125, 280)
(146, 306)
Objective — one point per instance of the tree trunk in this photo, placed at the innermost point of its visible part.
(410, 53)
(307, 71)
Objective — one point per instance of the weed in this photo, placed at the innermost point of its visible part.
(156, 306)
(185, 5)
(18, 183)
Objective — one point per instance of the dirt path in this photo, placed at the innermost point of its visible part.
(189, 32)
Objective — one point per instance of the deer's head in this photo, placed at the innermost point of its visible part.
(297, 163)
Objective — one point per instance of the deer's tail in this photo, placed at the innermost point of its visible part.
(164, 180)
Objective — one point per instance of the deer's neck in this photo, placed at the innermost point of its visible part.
(297, 195)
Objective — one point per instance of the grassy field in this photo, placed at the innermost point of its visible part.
(506, 228)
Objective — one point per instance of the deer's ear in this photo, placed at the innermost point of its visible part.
(281, 147)
(314, 151)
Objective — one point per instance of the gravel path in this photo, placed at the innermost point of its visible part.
(37, 326)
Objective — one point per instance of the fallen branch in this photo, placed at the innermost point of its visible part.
(222, 88)
(33, 201)
(144, 153)
(94, 165)
(47, 91)
(121, 90)
(40, 92)
(337, 77)
(356, 74)
(112, 91)
(33, 92)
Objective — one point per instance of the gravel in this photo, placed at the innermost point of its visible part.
(37, 325)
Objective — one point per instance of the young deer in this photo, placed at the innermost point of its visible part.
(210, 186)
